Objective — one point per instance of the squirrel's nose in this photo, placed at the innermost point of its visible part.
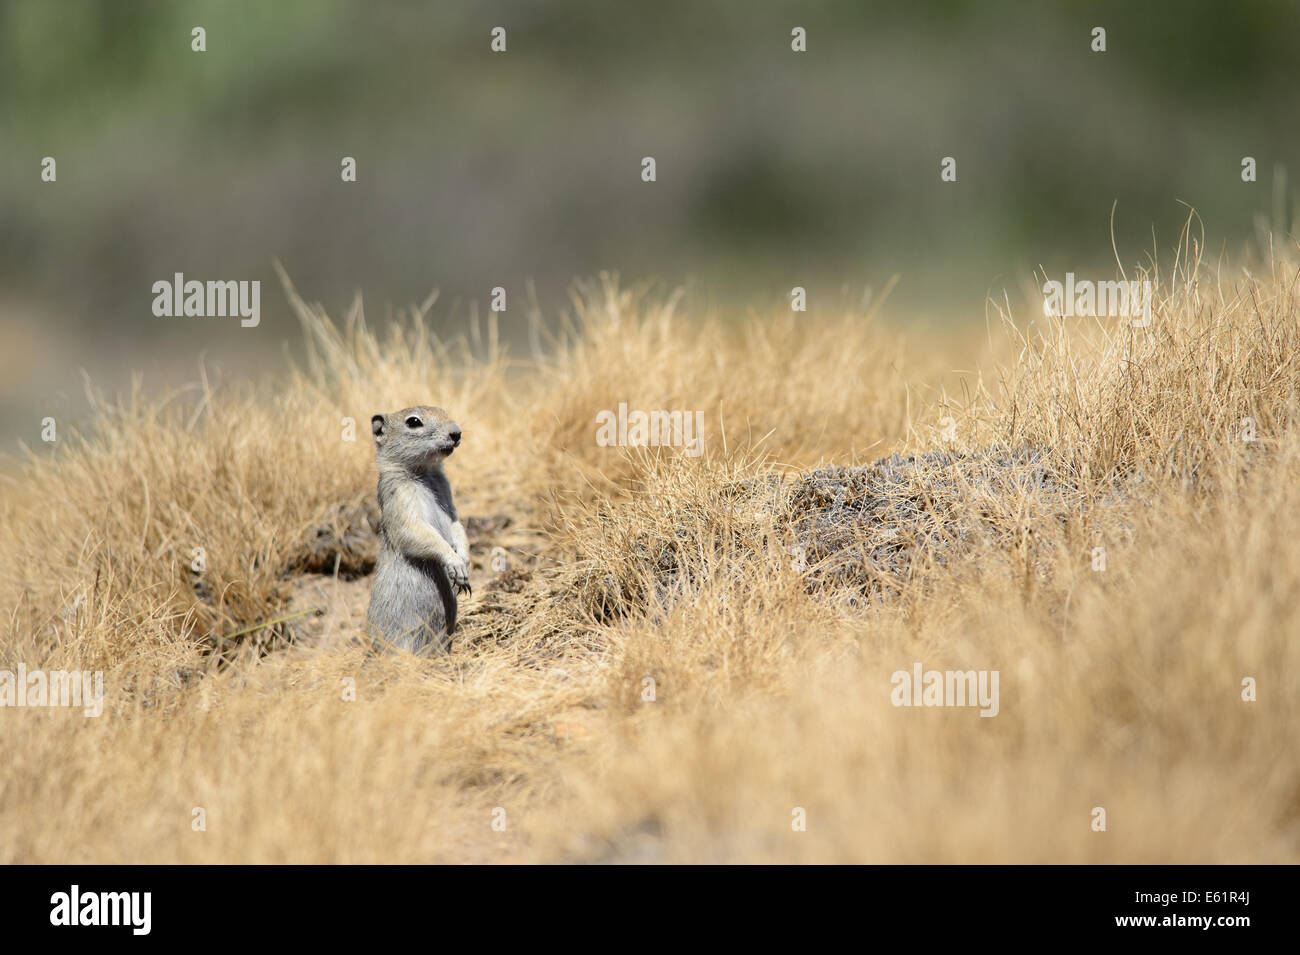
(455, 436)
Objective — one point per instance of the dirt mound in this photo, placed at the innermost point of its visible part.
(344, 544)
(868, 524)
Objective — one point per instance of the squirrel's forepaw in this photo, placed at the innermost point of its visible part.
(459, 574)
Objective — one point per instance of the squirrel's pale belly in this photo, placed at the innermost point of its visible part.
(434, 513)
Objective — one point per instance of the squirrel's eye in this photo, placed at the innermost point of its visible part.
(414, 422)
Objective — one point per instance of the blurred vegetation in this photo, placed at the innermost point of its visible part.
(479, 169)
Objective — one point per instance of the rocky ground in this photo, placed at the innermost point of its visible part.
(868, 525)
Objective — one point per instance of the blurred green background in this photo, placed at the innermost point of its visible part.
(479, 169)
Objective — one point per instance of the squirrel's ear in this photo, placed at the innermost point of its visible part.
(377, 428)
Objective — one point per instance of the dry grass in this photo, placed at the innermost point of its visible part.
(1119, 689)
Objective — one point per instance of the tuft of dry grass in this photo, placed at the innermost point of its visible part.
(680, 655)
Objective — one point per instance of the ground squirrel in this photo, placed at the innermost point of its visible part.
(423, 552)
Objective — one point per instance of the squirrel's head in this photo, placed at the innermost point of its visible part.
(415, 437)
